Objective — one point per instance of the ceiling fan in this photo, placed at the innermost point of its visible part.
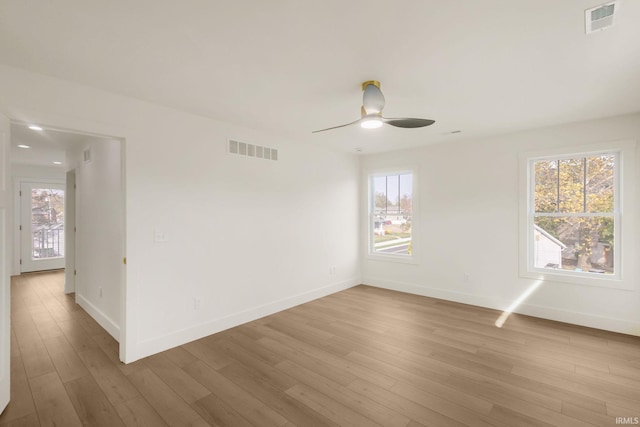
(371, 111)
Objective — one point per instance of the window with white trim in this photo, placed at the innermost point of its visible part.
(573, 224)
(391, 214)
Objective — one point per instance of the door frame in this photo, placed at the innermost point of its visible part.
(6, 238)
(19, 225)
(127, 316)
(17, 209)
(70, 232)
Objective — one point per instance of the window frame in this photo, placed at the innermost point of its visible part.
(623, 198)
(381, 256)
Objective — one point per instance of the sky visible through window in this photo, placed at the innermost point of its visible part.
(389, 185)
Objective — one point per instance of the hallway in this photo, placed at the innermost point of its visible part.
(59, 359)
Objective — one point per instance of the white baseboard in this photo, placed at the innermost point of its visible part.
(443, 294)
(549, 313)
(581, 319)
(156, 345)
(109, 325)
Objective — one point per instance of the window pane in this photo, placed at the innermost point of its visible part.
(582, 244)
(393, 183)
(380, 194)
(47, 223)
(406, 192)
(572, 185)
(600, 183)
(392, 212)
(546, 186)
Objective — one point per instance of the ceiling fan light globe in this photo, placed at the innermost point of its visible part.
(371, 123)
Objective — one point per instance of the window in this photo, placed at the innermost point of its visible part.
(574, 222)
(391, 214)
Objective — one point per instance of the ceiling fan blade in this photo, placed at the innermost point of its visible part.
(336, 127)
(408, 122)
(372, 99)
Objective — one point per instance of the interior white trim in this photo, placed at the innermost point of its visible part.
(109, 325)
(566, 316)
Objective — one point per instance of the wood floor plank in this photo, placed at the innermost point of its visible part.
(328, 407)
(137, 412)
(174, 410)
(357, 402)
(579, 385)
(36, 359)
(180, 381)
(587, 416)
(217, 413)
(114, 384)
(90, 403)
(437, 384)
(64, 358)
(21, 403)
(52, 401)
(339, 375)
(273, 396)
(235, 396)
(240, 337)
(402, 405)
(506, 417)
(258, 368)
(328, 359)
(28, 420)
(450, 409)
(205, 351)
(363, 356)
(77, 336)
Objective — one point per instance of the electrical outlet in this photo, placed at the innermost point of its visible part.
(160, 236)
(196, 303)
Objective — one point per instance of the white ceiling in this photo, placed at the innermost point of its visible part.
(483, 67)
(45, 146)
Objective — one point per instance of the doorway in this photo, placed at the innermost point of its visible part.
(72, 215)
(42, 223)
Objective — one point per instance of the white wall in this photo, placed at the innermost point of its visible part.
(469, 196)
(99, 237)
(19, 171)
(248, 237)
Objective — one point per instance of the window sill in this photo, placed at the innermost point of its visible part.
(582, 279)
(401, 259)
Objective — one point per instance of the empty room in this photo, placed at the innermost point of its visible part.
(355, 213)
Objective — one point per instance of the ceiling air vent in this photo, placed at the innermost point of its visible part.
(600, 17)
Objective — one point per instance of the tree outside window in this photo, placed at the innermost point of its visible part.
(574, 213)
(391, 213)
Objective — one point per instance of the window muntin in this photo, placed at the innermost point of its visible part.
(573, 216)
(391, 214)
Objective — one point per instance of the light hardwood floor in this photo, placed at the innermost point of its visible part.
(362, 357)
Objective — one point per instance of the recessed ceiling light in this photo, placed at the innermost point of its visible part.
(23, 146)
(35, 127)
(57, 163)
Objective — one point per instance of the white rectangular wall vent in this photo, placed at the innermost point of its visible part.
(251, 150)
(600, 17)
